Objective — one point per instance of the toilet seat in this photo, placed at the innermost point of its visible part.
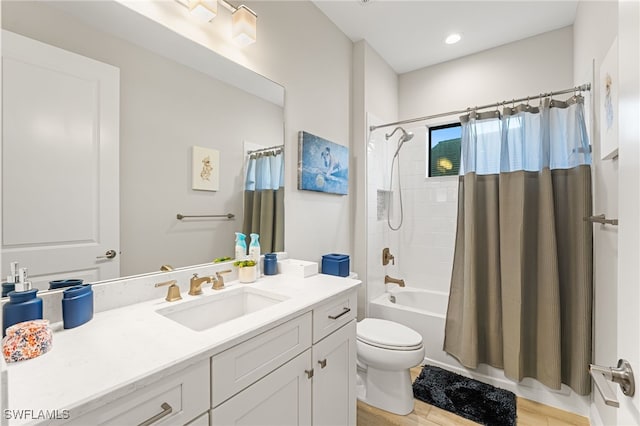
(388, 335)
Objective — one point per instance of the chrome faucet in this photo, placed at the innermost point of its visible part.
(389, 280)
(195, 284)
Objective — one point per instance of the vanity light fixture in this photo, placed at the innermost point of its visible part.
(204, 10)
(243, 20)
(453, 38)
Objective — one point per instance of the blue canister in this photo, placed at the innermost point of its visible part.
(6, 288)
(77, 305)
(270, 264)
(22, 306)
(64, 283)
(335, 264)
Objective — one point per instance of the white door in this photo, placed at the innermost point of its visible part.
(629, 203)
(334, 378)
(281, 398)
(60, 181)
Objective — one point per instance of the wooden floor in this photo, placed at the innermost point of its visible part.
(529, 413)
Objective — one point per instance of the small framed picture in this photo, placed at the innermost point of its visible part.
(608, 86)
(205, 169)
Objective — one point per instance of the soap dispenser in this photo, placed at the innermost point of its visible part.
(12, 279)
(23, 303)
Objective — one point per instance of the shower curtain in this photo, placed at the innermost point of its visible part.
(264, 199)
(521, 286)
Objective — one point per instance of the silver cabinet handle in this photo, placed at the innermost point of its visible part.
(323, 363)
(110, 254)
(166, 410)
(345, 311)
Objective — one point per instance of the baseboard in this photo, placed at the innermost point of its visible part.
(594, 416)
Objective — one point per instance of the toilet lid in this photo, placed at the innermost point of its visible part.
(388, 335)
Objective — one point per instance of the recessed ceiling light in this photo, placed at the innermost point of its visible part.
(453, 39)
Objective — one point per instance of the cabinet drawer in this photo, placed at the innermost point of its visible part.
(244, 364)
(176, 399)
(333, 314)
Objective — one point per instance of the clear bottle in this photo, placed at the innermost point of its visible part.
(241, 246)
(254, 251)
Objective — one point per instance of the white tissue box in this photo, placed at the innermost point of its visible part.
(297, 268)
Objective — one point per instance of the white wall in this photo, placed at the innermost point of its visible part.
(301, 49)
(425, 243)
(375, 101)
(165, 109)
(590, 45)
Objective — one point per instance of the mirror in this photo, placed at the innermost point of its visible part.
(174, 94)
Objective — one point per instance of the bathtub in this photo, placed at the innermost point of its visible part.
(422, 310)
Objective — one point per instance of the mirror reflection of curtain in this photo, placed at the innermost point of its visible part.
(264, 199)
(521, 286)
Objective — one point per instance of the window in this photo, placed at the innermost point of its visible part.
(443, 153)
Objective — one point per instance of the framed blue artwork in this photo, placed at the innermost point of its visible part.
(323, 166)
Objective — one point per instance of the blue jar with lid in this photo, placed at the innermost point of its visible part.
(56, 284)
(6, 288)
(77, 305)
(270, 264)
(22, 306)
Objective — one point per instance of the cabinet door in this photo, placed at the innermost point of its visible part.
(334, 380)
(283, 397)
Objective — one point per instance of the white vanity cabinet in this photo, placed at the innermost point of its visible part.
(314, 382)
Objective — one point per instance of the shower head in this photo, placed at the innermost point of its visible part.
(406, 136)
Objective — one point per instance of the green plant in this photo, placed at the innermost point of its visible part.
(244, 263)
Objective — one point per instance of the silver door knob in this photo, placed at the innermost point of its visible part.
(110, 254)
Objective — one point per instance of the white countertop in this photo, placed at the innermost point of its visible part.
(124, 349)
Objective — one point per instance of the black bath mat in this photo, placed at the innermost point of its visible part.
(469, 398)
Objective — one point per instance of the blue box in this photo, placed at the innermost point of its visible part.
(335, 264)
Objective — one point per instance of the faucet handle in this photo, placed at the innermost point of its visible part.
(218, 281)
(387, 256)
(173, 292)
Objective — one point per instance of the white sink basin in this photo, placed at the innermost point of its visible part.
(213, 310)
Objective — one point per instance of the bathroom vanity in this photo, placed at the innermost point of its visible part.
(285, 354)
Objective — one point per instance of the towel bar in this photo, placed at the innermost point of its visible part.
(182, 216)
(601, 218)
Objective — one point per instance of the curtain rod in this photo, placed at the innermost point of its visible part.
(264, 149)
(581, 88)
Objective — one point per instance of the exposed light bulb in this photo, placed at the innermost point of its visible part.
(453, 38)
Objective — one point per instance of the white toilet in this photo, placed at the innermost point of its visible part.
(386, 351)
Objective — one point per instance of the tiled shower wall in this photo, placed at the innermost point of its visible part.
(423, 247)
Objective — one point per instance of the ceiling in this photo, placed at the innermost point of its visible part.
(410, 34)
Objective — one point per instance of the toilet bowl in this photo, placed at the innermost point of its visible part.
(385, 352)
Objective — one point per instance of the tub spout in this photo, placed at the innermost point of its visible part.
(389, 280)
